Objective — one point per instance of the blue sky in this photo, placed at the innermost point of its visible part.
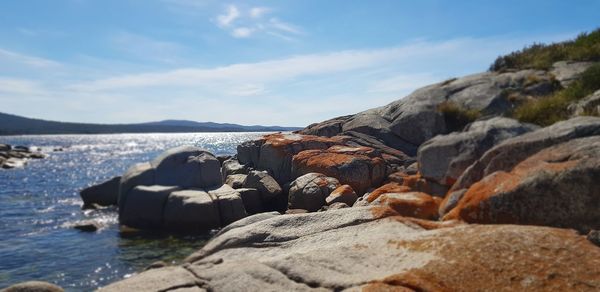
(254, 62)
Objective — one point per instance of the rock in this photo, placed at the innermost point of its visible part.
(231, 206)
(411, 204)
(223, 158)
(359, 167)
(33, 286)
(103, 194)
(337, 205)
(37, 155)
(191, 210)
(159, 279)
(2, 159)
(138, 174)
(21, 149)
(590, 105)
(444, 158)
(295, 211)
(248, 220)
(310, 190)
(327, 128)
(144, 206)
(510, 152)
(406, 202)
(374, 248)
(186, 167)
(252, 200)
(87, 226)
(274, 152)
(594, 237)
(557, 186)
(343, 194)
(5, 147)
(236, 181)
(264, 183)
(566, 72)
(14, 163)
(156, 265)
(410, 121)
(232, 166)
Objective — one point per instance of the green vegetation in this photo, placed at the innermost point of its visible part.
(586, 47)
(455, 116)
(551, 109)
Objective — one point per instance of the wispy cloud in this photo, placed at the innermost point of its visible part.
(32, 61)
(146, 48)
(231, 14)
(20, 86)
(244, 23)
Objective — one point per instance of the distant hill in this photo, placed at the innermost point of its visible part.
(17, 125)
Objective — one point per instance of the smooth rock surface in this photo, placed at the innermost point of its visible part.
(191, 210)
(343, 194)
(264, 183)
(558, 186)
(144, 206)
(374, 248)
(103, 194)
(510, 152)
(445, 157)
(186, 167)
(236, 181)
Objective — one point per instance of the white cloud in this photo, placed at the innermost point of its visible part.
(226, 19)
(31, 61)
(20, 86)
(242, 32)
(258, 12)
(247, 22)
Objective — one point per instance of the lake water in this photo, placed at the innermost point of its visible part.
(39, 204)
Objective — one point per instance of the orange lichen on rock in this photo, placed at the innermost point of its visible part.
(412, 204)
(350, 165)
(476, 205)
(497, 258)
(387, 188)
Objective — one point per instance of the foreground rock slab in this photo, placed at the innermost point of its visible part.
(365, 248)
(33, 286)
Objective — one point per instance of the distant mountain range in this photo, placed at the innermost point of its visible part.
(17, 125)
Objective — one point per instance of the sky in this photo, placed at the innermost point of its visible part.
(281, 62)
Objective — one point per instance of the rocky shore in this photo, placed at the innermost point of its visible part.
(17, 156)
(438, 191)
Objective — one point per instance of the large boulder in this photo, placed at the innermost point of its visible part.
(372, 248)
(264, 183)
(274, 152)
(138, 174)
(410, 121)
(236, 181)
(103, 194)
(309, 191)
(444, 158)
(566, 72)
(404, 200)
(558, 186)
(230, 203)
(191, 210)
(509, 153)
(343, 194)
(589, 105)
(187, 166)
(144, 206)
(232, 166)
(360, 167)
(33, 286)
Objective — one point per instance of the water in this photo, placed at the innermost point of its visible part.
(39, 204)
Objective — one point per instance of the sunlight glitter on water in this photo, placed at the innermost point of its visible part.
(40, 203)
